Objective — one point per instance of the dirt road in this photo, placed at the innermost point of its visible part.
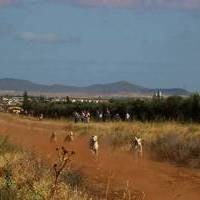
(113, 171)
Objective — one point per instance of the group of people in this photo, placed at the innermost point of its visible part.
(84, 117)
(101, 116)
(107, 116)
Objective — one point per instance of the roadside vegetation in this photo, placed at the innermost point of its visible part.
(174, 108)
(23, 175)
(169, 126)
(178, 143)
(175, 142)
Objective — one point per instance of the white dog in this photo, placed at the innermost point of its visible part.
(69, 137)
(94, 145)
(53, 137)
(136, 145)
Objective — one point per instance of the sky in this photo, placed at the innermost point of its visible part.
(153, 43)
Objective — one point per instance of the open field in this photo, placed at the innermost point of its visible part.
(116, 173)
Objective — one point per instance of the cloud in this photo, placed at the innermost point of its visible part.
(186, 4)
(15, 2)
(115, 3)
(47, 38)
(7, 2)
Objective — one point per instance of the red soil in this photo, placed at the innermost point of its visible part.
(112, 171)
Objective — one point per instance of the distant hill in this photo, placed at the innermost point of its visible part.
(116, 88)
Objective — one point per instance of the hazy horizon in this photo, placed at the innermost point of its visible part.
(154, 44)
(93, 84)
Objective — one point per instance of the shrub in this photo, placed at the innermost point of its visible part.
(156, 109)
(5, 146)
(177, 148)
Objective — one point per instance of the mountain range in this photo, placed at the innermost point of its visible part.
(120, 88)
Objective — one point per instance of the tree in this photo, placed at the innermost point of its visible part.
(25, 104)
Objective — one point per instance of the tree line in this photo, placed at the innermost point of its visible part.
(176, 108)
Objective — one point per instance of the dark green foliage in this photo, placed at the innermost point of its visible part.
(156, 109)
(25, 104)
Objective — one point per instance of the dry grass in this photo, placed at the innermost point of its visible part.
(171, 141)
(25, 176)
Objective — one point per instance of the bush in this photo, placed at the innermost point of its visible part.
(25, 176)
(73, 178)
(177, 148)
(5, 146)
(155, 109)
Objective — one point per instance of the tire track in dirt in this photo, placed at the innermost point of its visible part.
(112, 171)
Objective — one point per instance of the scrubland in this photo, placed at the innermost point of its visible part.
(165, 141)
(26, 175)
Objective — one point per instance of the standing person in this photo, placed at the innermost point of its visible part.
(83, 116)
(101, 116)
(97, 115)
(76, 117)
(107, 115)
(127, 117)
(88, 117)
(117, 117)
